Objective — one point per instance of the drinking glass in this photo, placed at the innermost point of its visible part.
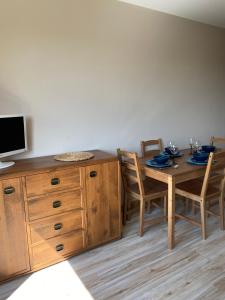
(173, 151)
(197, 146)
(191, 143)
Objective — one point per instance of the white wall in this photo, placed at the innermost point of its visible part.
(103, 74)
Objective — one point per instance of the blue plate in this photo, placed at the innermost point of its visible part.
(192, 161)
(152, 163)
(178, 154)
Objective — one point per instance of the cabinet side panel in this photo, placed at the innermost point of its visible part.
(13, 236)
(102, 203)
(111, 189)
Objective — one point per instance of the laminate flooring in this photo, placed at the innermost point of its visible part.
(135, 268)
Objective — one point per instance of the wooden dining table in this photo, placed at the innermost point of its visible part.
(171, 176)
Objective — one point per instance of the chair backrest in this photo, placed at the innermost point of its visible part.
(131, 170)
(216, 160)
(207, 175)
(148, 147)
(218, 141)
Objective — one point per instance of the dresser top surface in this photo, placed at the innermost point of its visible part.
(37, 164)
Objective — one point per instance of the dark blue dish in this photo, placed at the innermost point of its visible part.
(161, 159)
(201, 156)
(208, 148)
(192, 161)
(167, 151)
(152, 163)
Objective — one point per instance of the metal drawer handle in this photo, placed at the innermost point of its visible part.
(59, 247)
(56, 204)
(55, 181)
(58, 226)
(93, 174)
(9, 190)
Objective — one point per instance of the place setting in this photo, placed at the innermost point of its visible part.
(199, 154)
(166, 158)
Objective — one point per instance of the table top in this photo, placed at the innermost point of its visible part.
(183, 169)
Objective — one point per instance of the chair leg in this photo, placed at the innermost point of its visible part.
(149, 206)
(142, 211)
(128, 216)
(125, 210)
(221, 204)
(186, 205)
(193, 208)
(203, 220)
(165, 206)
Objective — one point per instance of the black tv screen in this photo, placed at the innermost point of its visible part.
(12, 134)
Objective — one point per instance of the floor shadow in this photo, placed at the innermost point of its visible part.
(9, 287)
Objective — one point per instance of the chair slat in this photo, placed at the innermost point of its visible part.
(147, 144)
(129, 166)
(131, 178)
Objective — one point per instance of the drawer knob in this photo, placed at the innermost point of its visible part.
(59, 247)
(56, 204)
(93, 174)
(55, 181)
(9, 190)
(58, 226)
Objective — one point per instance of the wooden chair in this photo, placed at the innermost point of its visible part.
(149, 149)
(146, 146)
(218, 141)
(138, 189)
(201, 190)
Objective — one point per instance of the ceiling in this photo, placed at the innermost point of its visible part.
(206, 11)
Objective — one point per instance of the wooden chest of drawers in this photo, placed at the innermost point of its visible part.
(56, 215)
(61, 209)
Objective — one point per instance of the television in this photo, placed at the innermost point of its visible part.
(13, 137)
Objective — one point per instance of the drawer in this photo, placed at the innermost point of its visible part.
(52, 181)
(55, 249)
(55, 226)
(54, 204)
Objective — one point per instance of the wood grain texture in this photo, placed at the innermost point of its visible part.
(52, 181)
(37, 165)
(151, 147)
(44, 206)
(57, 225)
(103, 215)
(13, 238)
(54, 249)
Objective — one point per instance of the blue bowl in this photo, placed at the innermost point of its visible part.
(208, 148)
(161, 159)
(167, 150)
(201, 156)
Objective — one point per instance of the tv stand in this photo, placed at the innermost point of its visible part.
(6, 164)
(51, 210)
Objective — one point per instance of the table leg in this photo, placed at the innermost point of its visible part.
(171, 212)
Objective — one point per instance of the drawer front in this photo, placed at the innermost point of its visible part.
(55, 249)
(52, 181)
(55, 226)
(54, 204)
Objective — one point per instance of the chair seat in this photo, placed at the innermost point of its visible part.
(151, 187)
(194, 187)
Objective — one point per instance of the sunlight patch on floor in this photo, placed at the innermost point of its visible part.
(56, 282)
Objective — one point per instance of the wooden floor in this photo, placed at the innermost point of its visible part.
(135, 268)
